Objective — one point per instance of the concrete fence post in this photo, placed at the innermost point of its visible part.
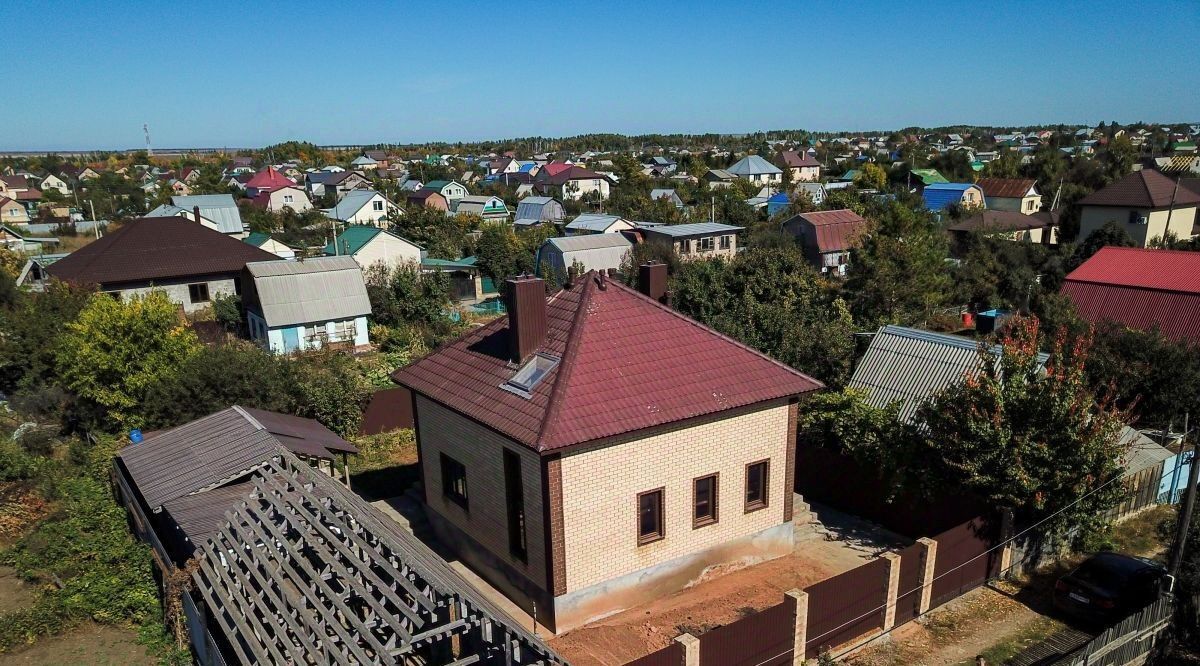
(1006, 535)
(928, 560)
(893, 590)
(691, 649)
(800, 644)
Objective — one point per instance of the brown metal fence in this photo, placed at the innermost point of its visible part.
(908, 601)
(846, 607)
(965, 558)
(672, 655)
(763, 639)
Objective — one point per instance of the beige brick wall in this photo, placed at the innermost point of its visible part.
(480, 450)
(601, 484)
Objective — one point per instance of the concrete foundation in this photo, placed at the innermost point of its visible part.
(613, 596)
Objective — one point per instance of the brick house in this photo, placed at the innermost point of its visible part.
(595, 449)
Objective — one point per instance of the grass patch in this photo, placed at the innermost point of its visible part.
(1146, 534)
(386, 464)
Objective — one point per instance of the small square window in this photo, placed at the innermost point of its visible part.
(726, 242)
(198, 293)
(454, 481)
(650, 516)
(758, 483)
(707, 243)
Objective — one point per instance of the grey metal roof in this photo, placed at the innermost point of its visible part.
(220, 208)
(1143, 453)
(589, 242)
(532, 210)
(752, 165)
(216, 449)
(910, 365)
(593, 222)
(310, 291)
(694, 229)
(351, 203)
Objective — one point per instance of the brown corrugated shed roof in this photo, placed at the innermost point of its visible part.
(1006, 188)
(835, 230)
(157, 248)
(1000, 220)
(1142, 189)
(627, 363)
(795, 160)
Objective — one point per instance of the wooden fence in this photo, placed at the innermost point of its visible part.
(1129, 641)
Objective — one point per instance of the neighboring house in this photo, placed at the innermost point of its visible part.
(599, 252)
(718, 178)
(1031, 228)
(363, 207)
(12, 211)
(490, 208)
(1140, 289)
(371, 245)
(1146, 204)
(1014, 194)
(571, 181)
(815, 191)
(285, 198)
(940, 196)
(364, 162)
(25, 243)
(342, 183)
(190, 262)
(595, 449)
(699, 240)
(757, 170)
(466, 281)
(922, 178)
(502, 165)
(428, 199)
(803, 167)
(450, 189)
(668, 194)
(297, 305)
(267, 180)
(827, 237)
(532, 211)
(217, 211)
(266, 242)
(594, 223)
(53, 182)
(909, 366)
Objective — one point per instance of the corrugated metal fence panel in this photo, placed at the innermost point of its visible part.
(847, 606)
(672, 655)
(389, 409)
(766, 638)
(908, 601)
(964, 559)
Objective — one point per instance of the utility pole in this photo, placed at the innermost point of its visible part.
(1189, 504)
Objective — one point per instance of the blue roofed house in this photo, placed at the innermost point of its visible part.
(940, 196)
(297, 305)
(363, 207)
(777, 202)
(217, 211)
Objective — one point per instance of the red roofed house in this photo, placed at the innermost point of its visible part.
(1146, 204)
(804, 167)
(570, 181)
(267, 180)
(1140, 289)
(828, 236)
(595, 449)
(1019, 195)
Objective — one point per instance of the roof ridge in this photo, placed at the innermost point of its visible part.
(567, 363)
(713, 331)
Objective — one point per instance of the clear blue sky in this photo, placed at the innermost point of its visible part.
(90, 72)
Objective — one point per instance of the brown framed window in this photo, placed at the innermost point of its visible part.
(650, 516)
(704, 501)
(454, 481)
(758, 485)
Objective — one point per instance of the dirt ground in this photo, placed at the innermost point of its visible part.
(93, 644)
(20, 507)
(639, 631)
(15, 593)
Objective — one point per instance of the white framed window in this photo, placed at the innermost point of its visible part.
(345, 330)
(726, 242)
(377, 205)
(287, 198)
(707, 243)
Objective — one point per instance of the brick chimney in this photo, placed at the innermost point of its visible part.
(652, 280)
(526, 305)
(196, 210)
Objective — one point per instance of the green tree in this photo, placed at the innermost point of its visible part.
(1111, 233)
(32, 328)
(117, 349)
(871, 176)
(899, 274)
(1155, 378)
(1019, 437)
(501, 254)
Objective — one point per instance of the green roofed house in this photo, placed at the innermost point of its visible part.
(371, 245)
(848, 177)
(466, 285)
(265, 242)
(921, 178)
(452, 190)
